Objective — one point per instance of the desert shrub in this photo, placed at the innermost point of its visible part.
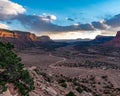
(79, 89)
(64, 85)
(61, 81)
(76, 83)
(106, 92)
(13, 71)
(70, 94)
(68, 79)
(46, 77)
(104, 77)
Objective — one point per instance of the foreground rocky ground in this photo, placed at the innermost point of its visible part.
(71, 75)
(47, 85)
(56, 75)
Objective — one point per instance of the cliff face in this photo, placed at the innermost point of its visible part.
(18, 38)
(22, 39)
(117, 38)
(114, 42)
(17, 35)
(6, 34)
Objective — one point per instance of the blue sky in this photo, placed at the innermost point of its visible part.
(80, 10)
(71, 18)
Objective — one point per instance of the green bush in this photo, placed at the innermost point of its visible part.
(12, 71)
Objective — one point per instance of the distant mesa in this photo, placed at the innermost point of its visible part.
(100, 39)
(95, 43)
(44, 39)
(86, 39)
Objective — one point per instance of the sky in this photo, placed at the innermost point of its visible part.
(62, 19)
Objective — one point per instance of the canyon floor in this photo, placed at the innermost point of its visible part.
(98, 75)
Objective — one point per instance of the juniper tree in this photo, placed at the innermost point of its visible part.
(13, 71)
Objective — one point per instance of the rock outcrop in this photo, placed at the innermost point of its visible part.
(115, 42)
(45, 88)
(22, 39)
(17, 35)
(18, 38)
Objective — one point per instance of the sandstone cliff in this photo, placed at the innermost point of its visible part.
(18, 38)
(22, 39)
(17, 35)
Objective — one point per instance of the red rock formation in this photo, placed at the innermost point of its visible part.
(7, 34)
(22, 39)
(17, 35)
(18, 38)
(114, 42)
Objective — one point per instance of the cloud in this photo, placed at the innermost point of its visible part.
(74, 35)
(37, 23)
(114, 21)
(86, 27)
(99, 25)
(48, 17)
(51, 17)
(12, 11)
(3, 26)
(76, 24)
(42, 24)
(9, 9)
(70, 19)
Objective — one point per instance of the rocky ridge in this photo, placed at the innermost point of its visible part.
(22, 39)
(115, 42)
